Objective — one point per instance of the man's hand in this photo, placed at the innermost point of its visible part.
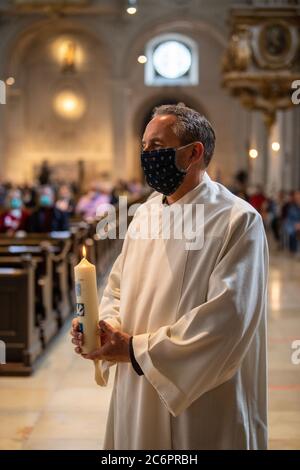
(114, 343)
(77, 336)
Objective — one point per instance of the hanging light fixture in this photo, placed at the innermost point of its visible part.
(10, 81)
(275, 146)
(253, 153)
(132, 7)
(142, 59)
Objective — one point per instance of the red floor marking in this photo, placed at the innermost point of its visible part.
(285, 387)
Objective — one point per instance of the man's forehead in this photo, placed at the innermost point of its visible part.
(160, 125)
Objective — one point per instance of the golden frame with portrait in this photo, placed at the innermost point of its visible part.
(275, 42)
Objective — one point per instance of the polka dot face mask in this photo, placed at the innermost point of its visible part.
(161, 171)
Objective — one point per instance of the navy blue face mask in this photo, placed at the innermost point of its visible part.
(161, 171)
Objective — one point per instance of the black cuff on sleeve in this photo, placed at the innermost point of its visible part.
(134, 363)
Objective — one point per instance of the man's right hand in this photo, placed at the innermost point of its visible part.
(77, 336)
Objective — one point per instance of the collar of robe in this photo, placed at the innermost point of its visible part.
(188, 197)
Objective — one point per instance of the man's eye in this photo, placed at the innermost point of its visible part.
(152, 147)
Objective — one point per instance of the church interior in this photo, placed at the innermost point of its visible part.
(79, 80)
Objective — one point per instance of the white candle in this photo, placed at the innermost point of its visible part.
(87, 303)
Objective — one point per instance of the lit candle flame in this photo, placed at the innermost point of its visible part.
(84, 251)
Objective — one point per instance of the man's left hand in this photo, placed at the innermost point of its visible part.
(115, 347)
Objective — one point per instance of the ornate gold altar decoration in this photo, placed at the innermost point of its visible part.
(49, 2)
(48, 5)
(263, 57)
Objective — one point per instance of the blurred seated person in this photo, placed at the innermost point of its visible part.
(258, 199)
(260, 202)
(45, 174)
(240, 185)
(288, 200)
(275, 210)
(65, 200)
(3, 194)
(291, 225)
(120, 189)
(15, 217)
(28, 196)
(96, 201)
(135, 186)
(4, 190)
(47, 218)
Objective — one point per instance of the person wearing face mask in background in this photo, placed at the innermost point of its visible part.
(16, 216)
(95, 201)
(47, 218)
(65, 199)
(186, 326)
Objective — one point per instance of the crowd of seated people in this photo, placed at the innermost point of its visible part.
(48, 208)
(286, 220)
(280, 214)
(43, 215)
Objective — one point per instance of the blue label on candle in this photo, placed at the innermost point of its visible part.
(80, 327)
(78, 289)
(80, 310)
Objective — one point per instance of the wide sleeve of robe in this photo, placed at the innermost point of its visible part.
(109, 310)
(205, 347)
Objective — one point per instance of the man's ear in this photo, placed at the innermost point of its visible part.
(198, 152)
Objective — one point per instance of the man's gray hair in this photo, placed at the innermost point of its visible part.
(190, 126)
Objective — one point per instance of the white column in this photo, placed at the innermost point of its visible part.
(295, 153)
(119, 128)
(258, 141)
(275, 166)
(287, 143)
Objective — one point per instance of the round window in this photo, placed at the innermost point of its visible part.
(172, 59)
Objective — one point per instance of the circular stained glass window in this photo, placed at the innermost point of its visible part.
(172, 59)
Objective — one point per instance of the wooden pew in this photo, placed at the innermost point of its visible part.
(54, 275)
(58, 253)
(61, 264)
(18, 327)
(46, 318)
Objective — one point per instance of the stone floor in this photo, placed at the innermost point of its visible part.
(61, 407)
(284, 376)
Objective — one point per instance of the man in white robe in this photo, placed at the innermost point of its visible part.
(187, 327)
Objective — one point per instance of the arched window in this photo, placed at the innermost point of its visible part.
(172, 60)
